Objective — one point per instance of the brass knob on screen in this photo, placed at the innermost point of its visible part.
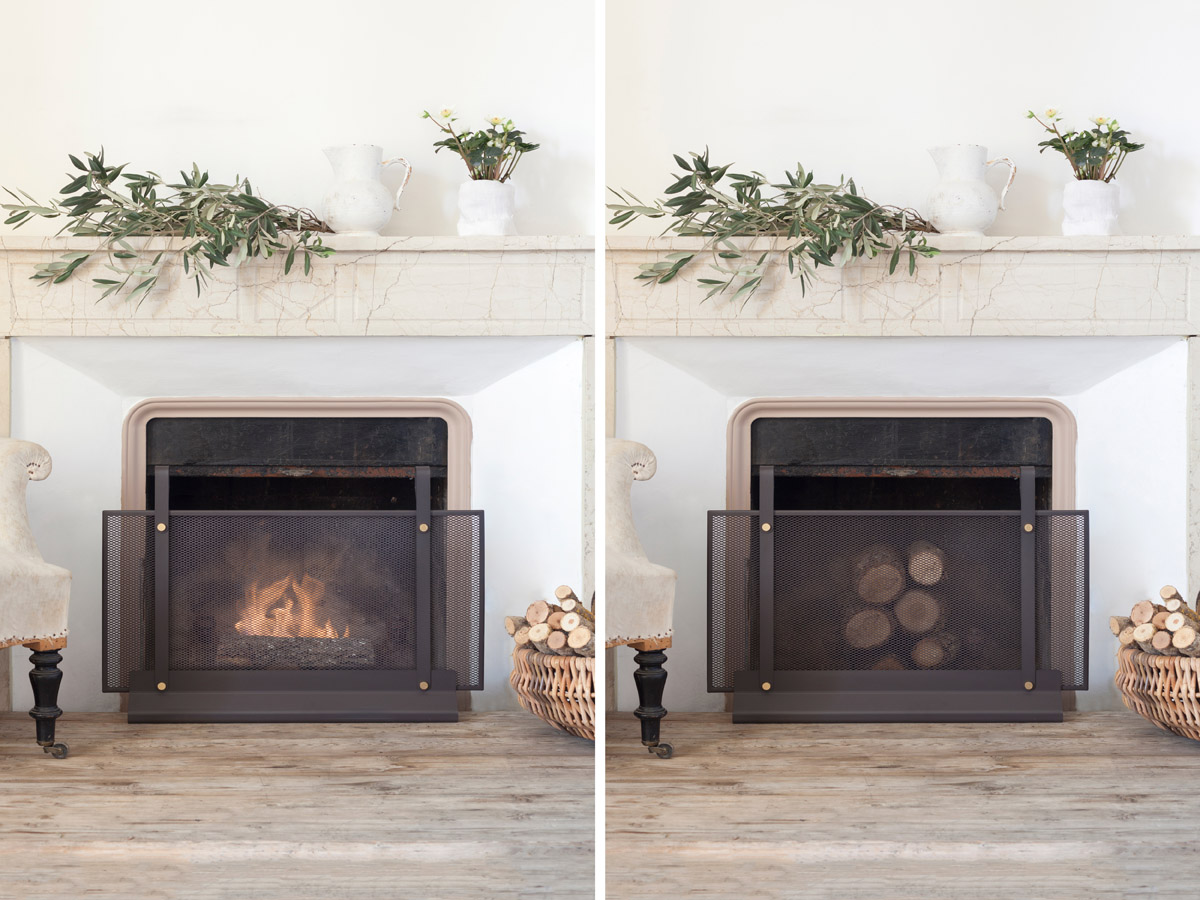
(162, 526)
(1029, 685)
(423, 527)
(1028, 526)
(766, 526)
(424, 685)
(162, 685)
(766, 685)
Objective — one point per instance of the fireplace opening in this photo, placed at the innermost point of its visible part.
(895, 463)
(294, 568)
(898, 568)
(296, 462)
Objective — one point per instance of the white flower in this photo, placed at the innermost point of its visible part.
(1100, 120)
(446, 113)
(496, 120)
(1052, 113)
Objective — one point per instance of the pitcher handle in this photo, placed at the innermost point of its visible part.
(1011, 175)
(407, 175)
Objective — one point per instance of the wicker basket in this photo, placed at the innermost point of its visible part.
(559, 690)
(1163, 689)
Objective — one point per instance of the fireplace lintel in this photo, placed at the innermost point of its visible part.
(513, 285)
(1027, 285)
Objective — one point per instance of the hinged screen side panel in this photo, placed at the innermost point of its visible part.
(457, 589)
(1062, 596)
(127, 597)
(732, 597)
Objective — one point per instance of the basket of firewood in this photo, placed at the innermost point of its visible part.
(554, 662)
(1158, 665)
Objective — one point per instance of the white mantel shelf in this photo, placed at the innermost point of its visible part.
(1128, 285)
(521, 285)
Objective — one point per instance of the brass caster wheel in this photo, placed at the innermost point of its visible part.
(58, 751)
(662, 751)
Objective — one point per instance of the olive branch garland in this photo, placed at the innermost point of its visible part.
(820, 224)
(222, 225)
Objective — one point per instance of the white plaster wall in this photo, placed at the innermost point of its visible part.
(78, 420)
(863, 89)
(1132, 475)
(272, 82)
(526, 471)
(1128, 395)
(524, 396)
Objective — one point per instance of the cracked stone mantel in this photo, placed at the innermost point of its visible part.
(520, 285)
(1126, 285)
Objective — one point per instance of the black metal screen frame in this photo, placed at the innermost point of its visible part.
(758, 684)
(422, 683)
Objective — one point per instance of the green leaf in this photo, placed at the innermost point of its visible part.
(816, 224)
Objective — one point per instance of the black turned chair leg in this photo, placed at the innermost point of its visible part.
(46, 678)
(651, 679)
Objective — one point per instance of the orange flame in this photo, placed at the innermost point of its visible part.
(285, 608)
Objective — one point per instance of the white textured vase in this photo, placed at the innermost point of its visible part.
(359, 202)
(962, 202)
(1091, 207)
(486, 207)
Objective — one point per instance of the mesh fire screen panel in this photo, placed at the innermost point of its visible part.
(905, 591)
(457, 587)
(127, 597)
(292, 592)
(732, 597)
(271, 591)
(1062, 596)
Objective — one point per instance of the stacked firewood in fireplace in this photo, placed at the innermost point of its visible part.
(899, 592)
(1164, 627)
(921, 605)
(562, 627)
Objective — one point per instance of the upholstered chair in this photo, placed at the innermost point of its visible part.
(639, 595)
(33, 593)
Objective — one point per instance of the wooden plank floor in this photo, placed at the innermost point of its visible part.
(497, 805)
(1103, 805)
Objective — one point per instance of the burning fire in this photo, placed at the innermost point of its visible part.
(286, 608)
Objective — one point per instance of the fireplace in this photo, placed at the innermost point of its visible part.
(899, 561)
(294, 561)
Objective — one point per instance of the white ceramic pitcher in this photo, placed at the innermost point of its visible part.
(358, 202)
(962, 202)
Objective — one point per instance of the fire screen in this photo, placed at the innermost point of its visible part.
(852, 601)
(343, 600)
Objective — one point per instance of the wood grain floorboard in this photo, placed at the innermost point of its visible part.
(1103, 805)
(290, 812)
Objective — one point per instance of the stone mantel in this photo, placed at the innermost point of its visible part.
(1127, 285)
(526, 285)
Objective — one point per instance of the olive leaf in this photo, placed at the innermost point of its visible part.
(218, 222)
(819, 224)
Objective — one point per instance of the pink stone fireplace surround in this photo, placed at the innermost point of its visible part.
(492, 334)
(133, 435)
(1097, 334)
